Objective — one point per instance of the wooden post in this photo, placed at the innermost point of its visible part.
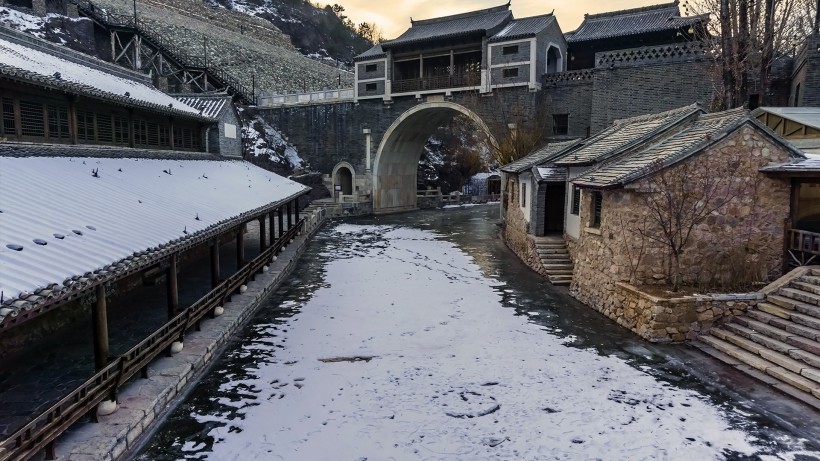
(240, 247)
(281, 222)
(262, 234)
(272, 229)
(296, 210)
(172, 288)
(215, 263)
(99, 317)
(290, 219)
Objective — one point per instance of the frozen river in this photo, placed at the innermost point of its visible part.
(420, 337)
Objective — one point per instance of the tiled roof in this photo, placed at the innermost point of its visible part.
(809, 116)
(523, 28)
(633, 21)
(25, 63)
(208, 106)
(375, 52)
(483, 21)
(704, 131)
(550, 173)
(808, 167)
(539, 156)
(625, 134)
(63, 228)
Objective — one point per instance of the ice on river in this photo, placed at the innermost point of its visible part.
(406, 353)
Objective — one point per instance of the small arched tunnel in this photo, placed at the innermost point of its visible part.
(396, 164)
(344, 179)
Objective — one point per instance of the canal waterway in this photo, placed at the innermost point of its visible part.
(420, 336)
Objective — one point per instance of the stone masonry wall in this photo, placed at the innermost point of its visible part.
(515, 231)
(607, 256)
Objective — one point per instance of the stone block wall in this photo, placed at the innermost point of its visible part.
(571, 95)
(515, 231)
(617, 253)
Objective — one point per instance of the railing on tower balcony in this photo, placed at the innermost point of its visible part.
(438, 82)
(803, 247)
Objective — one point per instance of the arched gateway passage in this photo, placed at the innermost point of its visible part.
(396, 164)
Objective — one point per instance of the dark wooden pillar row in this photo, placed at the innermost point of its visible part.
(173, 288)
(215, 263)
(281, 222)
(296, 210)
(99, 317)
(72, 119)
(262, 234)
(240, 247)
(290, 218)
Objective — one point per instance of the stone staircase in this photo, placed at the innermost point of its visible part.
(554, 259)
(778, 341)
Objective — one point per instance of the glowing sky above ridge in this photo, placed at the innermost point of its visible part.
(393, 16)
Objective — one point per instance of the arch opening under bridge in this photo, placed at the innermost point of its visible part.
(395, 168)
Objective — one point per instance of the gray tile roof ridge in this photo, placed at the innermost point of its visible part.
(33, 149)
(539, 156)
(629, 11)
(659, 115)
(453, 17)
(518, 23)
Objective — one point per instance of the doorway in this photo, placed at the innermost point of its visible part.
(554, 204)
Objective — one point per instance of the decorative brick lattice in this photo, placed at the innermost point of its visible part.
(583, 75)
(653, 54)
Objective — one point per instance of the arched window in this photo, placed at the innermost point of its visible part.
(555, 62)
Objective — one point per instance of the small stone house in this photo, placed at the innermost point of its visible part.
(225, 138)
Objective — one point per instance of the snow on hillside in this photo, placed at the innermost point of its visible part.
(23, 22)
(266, 141)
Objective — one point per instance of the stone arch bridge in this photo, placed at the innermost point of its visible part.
(372, 147)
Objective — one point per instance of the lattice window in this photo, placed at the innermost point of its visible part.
(105, 131)
(85, 126)
(140, 133)
(9, 126)
(177, 138)
(187, 138)
(576, 200)
(32, 120)
(164, 136)
(120, 130)
(597, 206)
(58, 122)
(153, 134)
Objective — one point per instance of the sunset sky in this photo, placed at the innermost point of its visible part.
(393, 16)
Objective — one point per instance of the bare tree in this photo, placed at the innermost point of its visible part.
(680, 198)
(749, 36)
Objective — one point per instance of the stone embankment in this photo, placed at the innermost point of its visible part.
(778, 341)
(255, 53)
(144, 401)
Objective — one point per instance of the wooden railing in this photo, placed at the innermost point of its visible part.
(803, 247)
(436, 83)
(41, 432)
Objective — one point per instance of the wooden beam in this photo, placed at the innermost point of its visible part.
(172, 287)
(262, 234)
(215, 263)
(290, 219)
(272, 229)
(99, 318)
(296, 209)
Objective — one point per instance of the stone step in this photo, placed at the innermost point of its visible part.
(561, 277)
(557, 250)
(788, 303)
(815, 272)
(800, 295)
(812, 279)
(788, 325)
(775, 310)
(550, 246)
(802, 382)
(557, 253)
(806, 286)
(551, 266)
(554, 272)
(562, 262)
(770, 331)
(560, 282)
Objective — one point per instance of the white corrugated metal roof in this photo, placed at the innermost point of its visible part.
(69, 222)
(809, 116)
(17, 56)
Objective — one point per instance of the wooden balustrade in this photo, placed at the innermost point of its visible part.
(41, 432)
(803, 247)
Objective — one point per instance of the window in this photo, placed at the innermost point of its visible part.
(523, 194)
(164, 136)
(370, 68)
(560, 124)
(57, 122)
(85, 126)
(9, 126)
(140, 133)
(369, 87)
(754, 101)
(105, 132)
(32, 120)
(576, 200)
(153, 134)
(120, 130)
(508, 50)
(510, 72)
(597, 202)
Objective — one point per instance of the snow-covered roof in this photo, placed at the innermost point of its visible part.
(208, 105)
(66, 222)
(31, 63)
